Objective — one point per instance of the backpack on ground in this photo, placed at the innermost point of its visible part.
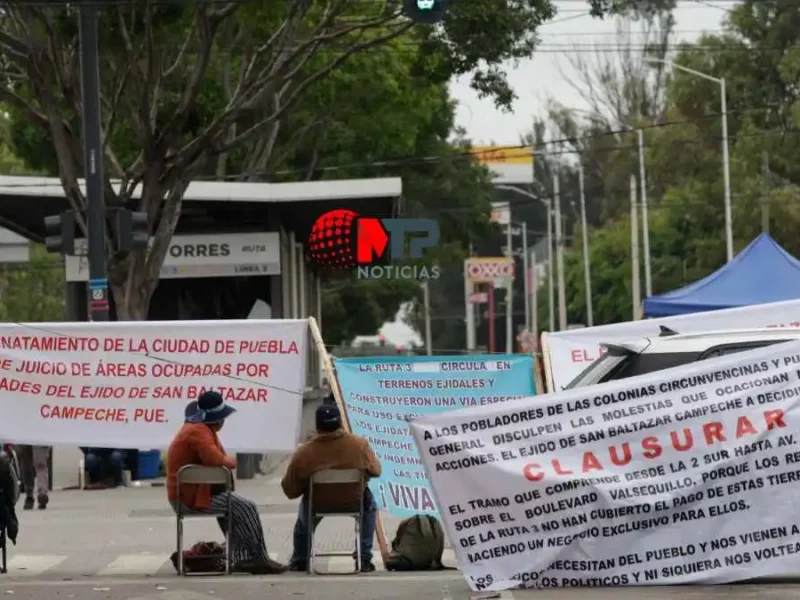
(418, 545)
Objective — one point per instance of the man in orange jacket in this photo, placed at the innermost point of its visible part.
(197, 443)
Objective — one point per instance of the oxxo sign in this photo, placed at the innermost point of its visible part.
(488, 270)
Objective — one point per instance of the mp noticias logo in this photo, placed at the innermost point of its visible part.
(344, 240)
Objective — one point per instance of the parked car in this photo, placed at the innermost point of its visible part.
(673, 349)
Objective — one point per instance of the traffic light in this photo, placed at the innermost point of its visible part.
(425, 11)
(133, 231)
(60, 233)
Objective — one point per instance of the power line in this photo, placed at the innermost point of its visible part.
(432, 159)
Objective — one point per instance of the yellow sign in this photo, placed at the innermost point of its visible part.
(490, 155)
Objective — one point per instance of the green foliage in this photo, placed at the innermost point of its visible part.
(33, 292)
(757, 56)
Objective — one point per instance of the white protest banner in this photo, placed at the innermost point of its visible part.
(572, 351)
(126, 384)
(687, 475)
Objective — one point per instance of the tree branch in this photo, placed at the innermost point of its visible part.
(34, 115)
(311, 79)
(206, 29)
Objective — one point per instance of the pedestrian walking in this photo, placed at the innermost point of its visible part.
(35, 476)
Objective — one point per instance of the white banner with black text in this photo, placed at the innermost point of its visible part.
(688, 475)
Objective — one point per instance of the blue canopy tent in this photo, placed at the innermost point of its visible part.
(763, 272)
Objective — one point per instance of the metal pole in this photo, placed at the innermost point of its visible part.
(93, 164)
(319, 300)
(510, 289)
(427, 306)
(293, 267)
(491, 315)
(587, 274)
(562, 299)
(645, 221)
(550, 266)
(726, 166)
(469, 310)
(636, 293)
(535, 301)
(526, 281)
(301, 280)
(764, 192)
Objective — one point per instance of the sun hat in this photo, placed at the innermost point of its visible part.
(189, 411)
(209, 408)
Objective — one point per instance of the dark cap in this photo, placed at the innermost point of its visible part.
(328, 418)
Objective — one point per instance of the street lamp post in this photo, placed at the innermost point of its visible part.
(726, 161)
(648, 280)
(549, 207)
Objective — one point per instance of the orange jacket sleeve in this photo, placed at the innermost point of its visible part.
(211, 455)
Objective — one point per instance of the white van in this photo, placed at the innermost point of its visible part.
(673, 349)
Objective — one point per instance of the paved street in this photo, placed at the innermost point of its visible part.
(115, 544)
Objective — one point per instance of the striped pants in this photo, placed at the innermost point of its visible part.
(247, 535)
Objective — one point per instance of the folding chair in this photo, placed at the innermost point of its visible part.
(198, 474)
(347, 486)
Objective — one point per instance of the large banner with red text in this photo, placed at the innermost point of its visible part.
(126, 385)
(571, 351)
(687, 475)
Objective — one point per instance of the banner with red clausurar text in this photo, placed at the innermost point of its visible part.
(127, 384)
(688, 475)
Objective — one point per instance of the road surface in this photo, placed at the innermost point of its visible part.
(115, 545)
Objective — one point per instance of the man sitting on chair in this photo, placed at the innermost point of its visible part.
(197, 443)
(330, 448)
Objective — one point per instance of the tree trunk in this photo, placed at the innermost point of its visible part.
(131, 294)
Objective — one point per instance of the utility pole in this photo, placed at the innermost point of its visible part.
(535, 300)
(765, 181)
(93, 163)
(726, 172)
(551, 265)
(636, 292)
(427, 306)
(562, 298)
(510, 288)
(587, 274)
(469, 310)
(526, 279)
(648, 288)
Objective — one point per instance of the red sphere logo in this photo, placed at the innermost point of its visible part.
(330, 242)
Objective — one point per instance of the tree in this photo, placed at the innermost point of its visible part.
(757, 56)
(186, 84)
(33, 292)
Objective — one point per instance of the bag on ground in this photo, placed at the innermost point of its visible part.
(417, 546)
(203, 557)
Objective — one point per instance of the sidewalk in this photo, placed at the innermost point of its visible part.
(88, 532)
